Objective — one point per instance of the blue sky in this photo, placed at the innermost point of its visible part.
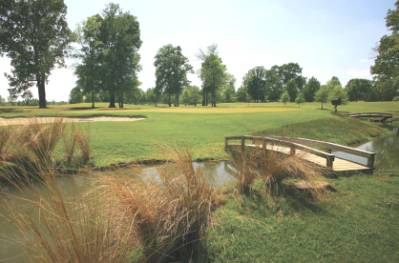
(326, 38)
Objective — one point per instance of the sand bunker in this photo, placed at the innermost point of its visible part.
(25, 121)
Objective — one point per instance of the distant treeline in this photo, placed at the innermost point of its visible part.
(36, 37)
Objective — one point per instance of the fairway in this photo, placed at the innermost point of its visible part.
(201, 130)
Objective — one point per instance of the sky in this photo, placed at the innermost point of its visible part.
(326, 38)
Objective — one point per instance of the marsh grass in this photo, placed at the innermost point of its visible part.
(85, 228)
(119, 219)
(274, 169)
(26, 151)
(171, 216)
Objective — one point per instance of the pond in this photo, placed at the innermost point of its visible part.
(218, 174)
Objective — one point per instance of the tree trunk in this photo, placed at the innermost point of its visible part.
(213, 98)
(321, 107)
(177, 100)
(41, 87)
(169, 100)
(112, 99)
(93, 105)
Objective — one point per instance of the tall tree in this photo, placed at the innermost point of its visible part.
(310, 89)
(76, 95)
(90, 71)
(171, 68)
(212, 74)
(386, 64)
(228, 91)
(121, 41)
(360, 89)
(322, 95)
(255, 82)
(34, 34)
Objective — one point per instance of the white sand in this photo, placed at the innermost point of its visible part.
(24, 121)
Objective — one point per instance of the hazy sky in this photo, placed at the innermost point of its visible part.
(325, 37)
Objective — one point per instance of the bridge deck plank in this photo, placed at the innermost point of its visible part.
(339, 165)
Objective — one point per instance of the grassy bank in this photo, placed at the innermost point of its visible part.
(200, 129)
(355, 224)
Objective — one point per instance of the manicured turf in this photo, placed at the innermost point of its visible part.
(200, 129)
(358, 223)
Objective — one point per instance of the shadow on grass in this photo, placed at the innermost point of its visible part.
(9, 110)
(288, 201)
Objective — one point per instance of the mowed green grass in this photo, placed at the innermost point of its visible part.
(358, 223)
(200, 129)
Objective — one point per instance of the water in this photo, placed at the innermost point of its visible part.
(217, 173)
(11, 250)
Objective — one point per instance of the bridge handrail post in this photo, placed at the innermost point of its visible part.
(330, 161)
(370, 160)
(242, 143)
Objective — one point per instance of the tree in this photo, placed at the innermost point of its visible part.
(2, 100)
(34, 34)
(212, 74)
(322, 95)
(228, 89)
(191, 95)
(285, 97)
(255, 83)
(151, 96)
(360, 89)
(300, 99)
(76, 95)
(338, 92)
(242, 94)
(91, 72)
(386, 65)
(310, 89)
(171, 69)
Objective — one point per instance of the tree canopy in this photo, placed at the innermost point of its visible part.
(212, 74)
(35, 35)
(171, 68)
(360, 89)
(255, 83)
(310, 89)
(386, 64)
(109, 53)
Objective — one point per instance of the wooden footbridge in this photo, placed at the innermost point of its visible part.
(334, 157)
(373, 116)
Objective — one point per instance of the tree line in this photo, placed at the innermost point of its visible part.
(36, 37)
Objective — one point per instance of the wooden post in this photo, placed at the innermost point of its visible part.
(242, 143)
(226, 142)
(330, 160)
(264, 144)
(370, 161)
(292, 149)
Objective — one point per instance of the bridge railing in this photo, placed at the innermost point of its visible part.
(293, 146)
(331, 147)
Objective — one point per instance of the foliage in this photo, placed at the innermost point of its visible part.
(310, 89)
(34, 34)
(227, 92)
(109, 52)
(242, 94)
(322, 95)
(171, 68)
(386, 65)
(76, 95)
(300, 99)
(191, 95)
(360, 89)
(285, 97)
(255, 83)
(212, 74)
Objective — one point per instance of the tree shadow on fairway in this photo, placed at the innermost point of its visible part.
(288, 201)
